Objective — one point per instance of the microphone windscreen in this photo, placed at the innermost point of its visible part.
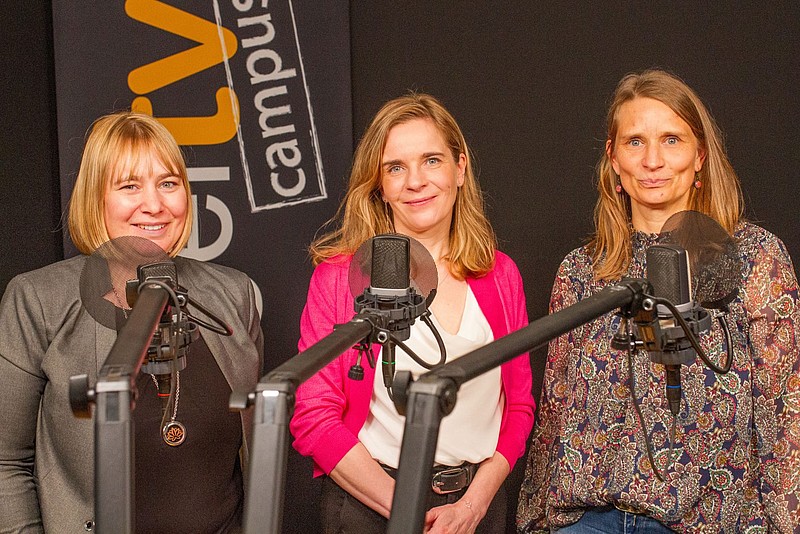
(107, 270)
(668, 272)
(392, 269)
(390, 262)
(716, 266)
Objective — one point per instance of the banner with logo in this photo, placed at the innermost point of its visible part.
(256, 92)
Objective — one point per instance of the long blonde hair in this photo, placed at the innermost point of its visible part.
(363, 213)
(720, 196)
(114, 144)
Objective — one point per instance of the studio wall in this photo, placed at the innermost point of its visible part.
(529, 83)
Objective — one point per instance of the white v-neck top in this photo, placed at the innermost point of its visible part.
(470, 432)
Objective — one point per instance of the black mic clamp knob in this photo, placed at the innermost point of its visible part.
(621, 341)
(356, 372)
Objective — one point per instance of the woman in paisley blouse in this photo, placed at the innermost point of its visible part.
(734, 464)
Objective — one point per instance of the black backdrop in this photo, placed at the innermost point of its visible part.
(528, 81)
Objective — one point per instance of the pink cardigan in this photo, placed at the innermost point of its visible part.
(331, 408)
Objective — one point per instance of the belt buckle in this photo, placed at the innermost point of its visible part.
(626, 508)
(450, 480)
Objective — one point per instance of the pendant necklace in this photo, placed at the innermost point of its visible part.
(119, 302)
(174, 432)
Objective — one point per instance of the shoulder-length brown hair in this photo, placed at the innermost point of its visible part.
(363, 213)
(114, 145)
(720, 196)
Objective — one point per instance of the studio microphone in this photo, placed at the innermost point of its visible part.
(667, 339)
(393, 299)
(390, 282)
(390, 295)
(169, 345)
(390, 285)
(694, 274)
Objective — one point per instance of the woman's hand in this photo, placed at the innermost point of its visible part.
(456, 518)
(464, 515)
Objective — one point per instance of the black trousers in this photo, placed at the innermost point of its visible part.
(342, 513)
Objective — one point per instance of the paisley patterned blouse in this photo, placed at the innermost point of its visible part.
(734, 464)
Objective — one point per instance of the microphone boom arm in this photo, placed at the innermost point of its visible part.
(112, 396)
(274, 405)
(433, 396)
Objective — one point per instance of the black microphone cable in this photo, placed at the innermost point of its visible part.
(388, 364)
(687, 330)
(672, 374)
(220, 327)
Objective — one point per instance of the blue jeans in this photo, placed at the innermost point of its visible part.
(609, 520)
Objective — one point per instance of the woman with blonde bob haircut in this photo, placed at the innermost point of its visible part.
(412, 174)
(131, 200)
(613, 450)
(115, 145)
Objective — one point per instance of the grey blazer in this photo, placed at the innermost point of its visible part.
(46, 336)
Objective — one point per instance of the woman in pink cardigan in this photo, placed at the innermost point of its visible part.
(412, 175)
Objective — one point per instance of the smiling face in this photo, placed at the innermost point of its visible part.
(420, 179)
(145, 199)
(656, 156)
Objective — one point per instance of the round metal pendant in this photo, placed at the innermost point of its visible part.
(174, 433)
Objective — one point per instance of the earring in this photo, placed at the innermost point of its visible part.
(698, 183)
(618, 187)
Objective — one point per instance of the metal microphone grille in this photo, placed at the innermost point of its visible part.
(390, 262)
(163, 269)
(668, 271)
